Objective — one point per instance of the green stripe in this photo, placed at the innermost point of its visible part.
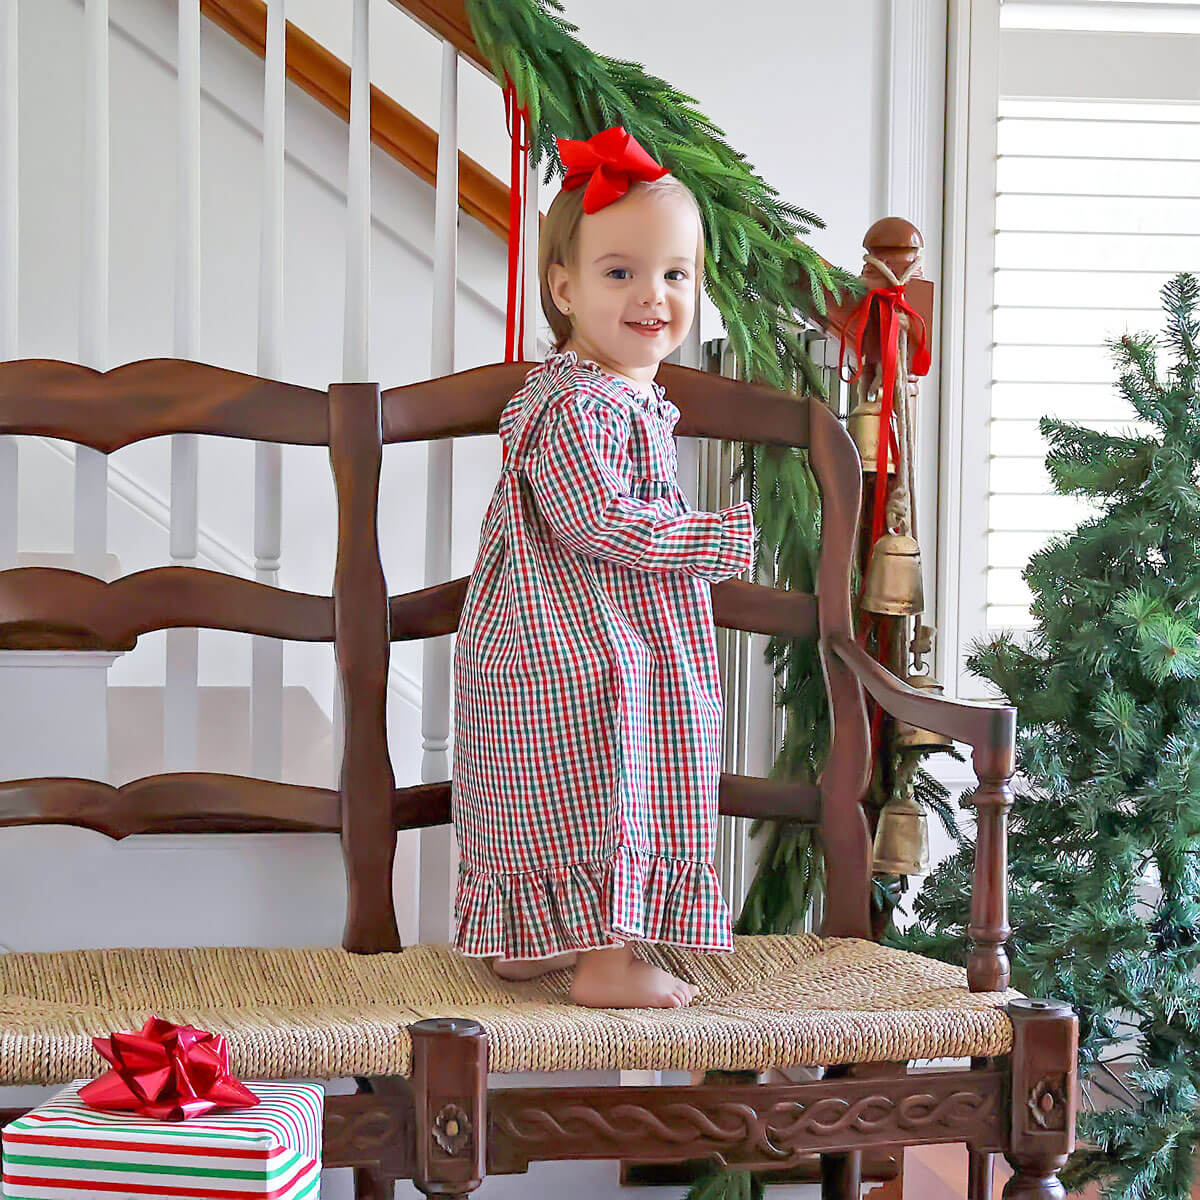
(148, 1168)
(314, 1183)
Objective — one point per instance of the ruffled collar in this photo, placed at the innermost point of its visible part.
(656, 403)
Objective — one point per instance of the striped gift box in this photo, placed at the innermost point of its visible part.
(269, 1152)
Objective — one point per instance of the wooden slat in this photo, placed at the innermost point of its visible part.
(44, 608)
(395, 130)
(155, 396)
(190, 802)
(755, 608)
(470, 402)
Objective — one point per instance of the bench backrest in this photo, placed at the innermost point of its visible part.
(46, 608)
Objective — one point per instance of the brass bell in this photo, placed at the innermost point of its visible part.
(913, 736)
(901, 838)
(863, 423)
(893, 582)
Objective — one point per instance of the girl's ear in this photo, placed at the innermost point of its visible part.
(560, 286)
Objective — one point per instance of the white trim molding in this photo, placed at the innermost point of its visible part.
(972, 75)
(913, 164)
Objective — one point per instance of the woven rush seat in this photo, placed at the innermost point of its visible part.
(324, 1013)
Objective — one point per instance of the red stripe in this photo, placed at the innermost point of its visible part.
(214, 1150)
(146, 1189)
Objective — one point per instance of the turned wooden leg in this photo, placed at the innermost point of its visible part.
(449, 1083)
(1044, 1097)
(980, 1163)
(372, 1184)
(841, 1176)
(980, 1169)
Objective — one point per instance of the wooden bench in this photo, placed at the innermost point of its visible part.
(419, 1028)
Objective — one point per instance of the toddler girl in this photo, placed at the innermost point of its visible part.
(587, 705)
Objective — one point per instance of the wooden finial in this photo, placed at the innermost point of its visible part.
(896, 242)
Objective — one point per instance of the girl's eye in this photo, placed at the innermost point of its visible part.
(678, 271)
(615, 269)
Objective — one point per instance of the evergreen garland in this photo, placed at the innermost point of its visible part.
(758, 270)
(1105, 837)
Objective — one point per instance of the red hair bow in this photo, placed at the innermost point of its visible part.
(608, 163)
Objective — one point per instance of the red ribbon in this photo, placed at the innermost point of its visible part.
(890, 302)
(168, 1072)
(516, 118)
(607, 163)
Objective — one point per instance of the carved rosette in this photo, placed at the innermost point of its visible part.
(1047, 1102)
(452, 1130)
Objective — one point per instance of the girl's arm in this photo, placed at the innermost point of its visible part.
(579, 482)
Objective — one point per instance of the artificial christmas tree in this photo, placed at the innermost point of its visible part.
(1104, 884)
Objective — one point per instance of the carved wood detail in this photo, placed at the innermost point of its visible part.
(370, 1130)
(764, 1125)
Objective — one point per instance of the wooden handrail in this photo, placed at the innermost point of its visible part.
(447, 19)
(394, 129)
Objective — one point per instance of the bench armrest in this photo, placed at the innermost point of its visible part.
(990, 731)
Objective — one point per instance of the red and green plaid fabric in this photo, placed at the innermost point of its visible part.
(272, 1151)
(587, 700)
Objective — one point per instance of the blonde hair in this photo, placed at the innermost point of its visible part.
(559, 243)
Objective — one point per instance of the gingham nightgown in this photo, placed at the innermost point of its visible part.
(587, 703)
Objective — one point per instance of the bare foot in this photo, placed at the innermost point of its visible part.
(530, 968)
(614, 978)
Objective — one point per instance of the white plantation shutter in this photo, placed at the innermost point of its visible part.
(1097, 205)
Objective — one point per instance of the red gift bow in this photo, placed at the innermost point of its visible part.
(890, 301)
(608, 163)
(167, 1072)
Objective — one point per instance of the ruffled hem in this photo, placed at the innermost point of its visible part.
(586, 906)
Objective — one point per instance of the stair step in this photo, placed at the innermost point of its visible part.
(135, 734)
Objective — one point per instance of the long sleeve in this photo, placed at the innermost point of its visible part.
(580, 482)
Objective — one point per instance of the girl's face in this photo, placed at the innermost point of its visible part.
(631, 294)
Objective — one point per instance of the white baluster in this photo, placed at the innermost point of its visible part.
(266, 669)
(9, 241)
(439, 863)
(180, 700)
(358, 202)
(91, 467)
